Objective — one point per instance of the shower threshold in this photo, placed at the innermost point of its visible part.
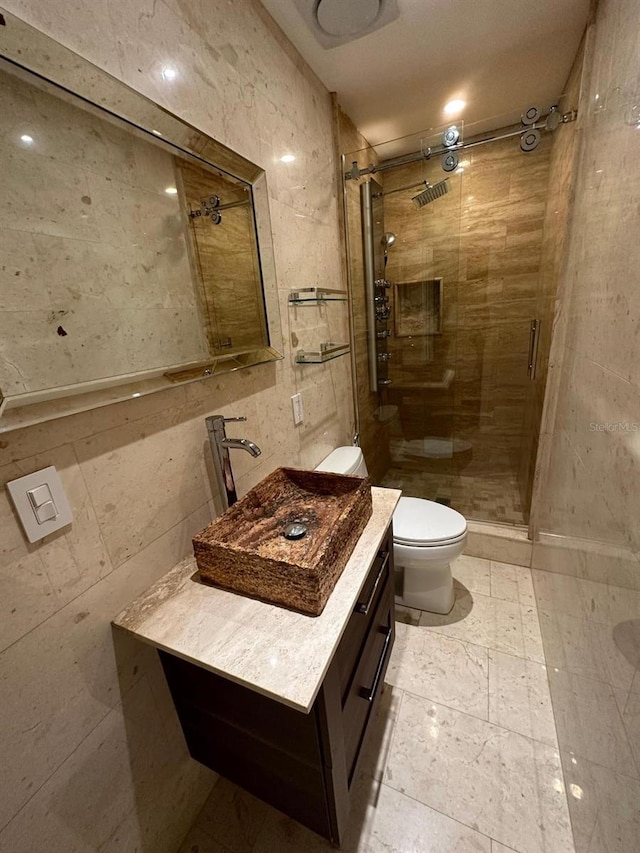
(503, 543)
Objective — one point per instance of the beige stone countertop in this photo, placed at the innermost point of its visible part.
(277, 652)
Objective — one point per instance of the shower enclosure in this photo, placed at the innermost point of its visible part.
(446, 257)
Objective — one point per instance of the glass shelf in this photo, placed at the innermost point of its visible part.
(316, 295)
(325, 353)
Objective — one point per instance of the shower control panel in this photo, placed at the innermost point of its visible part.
(376, 246)
(383, 313)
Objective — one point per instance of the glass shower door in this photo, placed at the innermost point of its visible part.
(453, 423)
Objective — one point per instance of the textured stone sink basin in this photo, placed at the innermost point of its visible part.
(245, 550)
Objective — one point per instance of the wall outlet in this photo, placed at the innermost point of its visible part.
(298, 411)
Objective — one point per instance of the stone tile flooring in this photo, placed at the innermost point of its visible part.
(462, 756)
(484, 497)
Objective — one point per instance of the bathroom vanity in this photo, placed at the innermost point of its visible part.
(276, 701)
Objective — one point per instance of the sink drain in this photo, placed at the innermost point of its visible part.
(294, 530)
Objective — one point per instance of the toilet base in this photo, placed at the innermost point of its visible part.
(400, 602)
(431, 590)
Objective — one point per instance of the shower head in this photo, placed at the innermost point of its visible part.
(431, 193)
(388, 240)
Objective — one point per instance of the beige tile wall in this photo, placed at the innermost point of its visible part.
(91, 753)
(587, 500)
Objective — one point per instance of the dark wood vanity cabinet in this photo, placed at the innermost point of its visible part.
(303, 764)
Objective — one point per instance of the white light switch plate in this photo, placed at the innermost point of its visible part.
(28, 513)
(298, 410)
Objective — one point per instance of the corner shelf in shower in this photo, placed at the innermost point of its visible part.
(326, 352)
(316, 296)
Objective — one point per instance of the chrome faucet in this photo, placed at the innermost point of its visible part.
(220, 446)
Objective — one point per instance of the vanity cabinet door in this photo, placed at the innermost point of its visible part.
(356, 633)
(270, 750)
(345, 713)
(367, 681)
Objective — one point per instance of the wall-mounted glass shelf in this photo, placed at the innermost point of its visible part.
(316, 295)
(325, 352)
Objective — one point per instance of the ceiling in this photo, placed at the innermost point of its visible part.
(500, 56)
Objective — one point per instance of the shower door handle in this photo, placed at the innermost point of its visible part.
(534, 331)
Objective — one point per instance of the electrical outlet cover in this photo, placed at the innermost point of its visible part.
(298, 411)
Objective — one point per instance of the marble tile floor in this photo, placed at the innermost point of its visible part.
(462, 756)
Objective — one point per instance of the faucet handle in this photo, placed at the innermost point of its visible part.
(217, 422)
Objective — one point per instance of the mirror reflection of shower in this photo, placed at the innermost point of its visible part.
(211, 208)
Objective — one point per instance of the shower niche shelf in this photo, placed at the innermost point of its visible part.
(316, 296)
(418, 308)
(325, 352)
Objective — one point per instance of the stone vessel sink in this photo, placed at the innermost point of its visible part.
(246, 551)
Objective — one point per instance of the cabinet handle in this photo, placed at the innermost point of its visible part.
(370, 695)
(364, 608)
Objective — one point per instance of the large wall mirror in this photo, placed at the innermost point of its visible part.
(135, 252)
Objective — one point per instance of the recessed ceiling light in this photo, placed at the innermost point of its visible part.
(455, 106)
(26, 138)
(156, 133)
(287, 158)
(171, 191)
(169, 73)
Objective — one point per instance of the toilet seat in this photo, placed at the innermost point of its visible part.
(419, 523)
(426, 545)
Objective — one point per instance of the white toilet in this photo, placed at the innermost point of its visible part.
(427, 537)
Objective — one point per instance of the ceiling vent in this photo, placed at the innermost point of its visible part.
(336, 22)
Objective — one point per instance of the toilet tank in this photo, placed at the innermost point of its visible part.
(345, 460)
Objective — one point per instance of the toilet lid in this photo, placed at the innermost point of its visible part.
(420, 522)
(342, 460)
